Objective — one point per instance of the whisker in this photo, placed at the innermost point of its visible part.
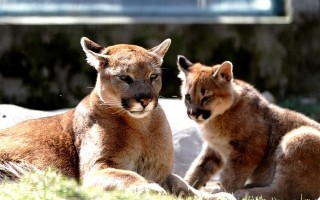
(111, 105)
(119, 112)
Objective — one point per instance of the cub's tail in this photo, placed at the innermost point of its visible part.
(13, 170)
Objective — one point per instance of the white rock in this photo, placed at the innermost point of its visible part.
(12, 114)
(186, 139)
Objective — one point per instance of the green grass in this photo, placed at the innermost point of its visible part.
(50, 185)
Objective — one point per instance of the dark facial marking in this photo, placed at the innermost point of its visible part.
(198, 112)
(204, 99)
(206, 114)
(126, 79)
(125, 103)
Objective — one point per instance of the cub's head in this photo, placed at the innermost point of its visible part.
(129, 76)
(206, 91)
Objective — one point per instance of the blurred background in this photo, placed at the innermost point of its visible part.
(273, 44)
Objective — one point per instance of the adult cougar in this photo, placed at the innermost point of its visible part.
(117, 137)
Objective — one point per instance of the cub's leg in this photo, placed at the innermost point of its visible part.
(203, 167)
(111, 179)
(240, 165)
(297, 172)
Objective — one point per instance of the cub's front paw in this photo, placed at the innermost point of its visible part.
(148, 188)
(241, 194)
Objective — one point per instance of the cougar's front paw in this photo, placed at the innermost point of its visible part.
(223, 196)
(216, 196)
(213, 187)
(148, 188)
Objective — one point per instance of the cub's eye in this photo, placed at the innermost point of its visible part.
(187, 97)
(154, 76)
(125, 78)
(203, 91)
(206, 99)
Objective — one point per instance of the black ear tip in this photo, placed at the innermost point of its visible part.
(181, 58)
(90, 45)
(183, 62)
(84, 40)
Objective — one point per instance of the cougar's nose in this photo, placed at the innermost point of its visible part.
(144, 102)
(144, 99)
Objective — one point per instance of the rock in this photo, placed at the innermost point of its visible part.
(269, 96)
(186, 139)
(12, 114)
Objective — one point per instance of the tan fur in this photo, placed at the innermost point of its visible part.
(261, 148)
(117, 137)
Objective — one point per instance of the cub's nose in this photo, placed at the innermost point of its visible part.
(198, 114)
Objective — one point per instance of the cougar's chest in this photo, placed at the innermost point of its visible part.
(144, 151)
(151, 165)
(154, 162)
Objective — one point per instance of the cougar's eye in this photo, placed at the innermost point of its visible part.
(125, 78)
(187, 97)
(154, 76)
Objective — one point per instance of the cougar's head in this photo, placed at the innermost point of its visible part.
(129, 76)
(206, 91)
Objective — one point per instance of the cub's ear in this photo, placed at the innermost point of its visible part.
(224, 71)
(92, 51)
(161, 49)
(183, 63)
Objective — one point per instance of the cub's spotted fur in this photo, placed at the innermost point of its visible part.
(261, 148)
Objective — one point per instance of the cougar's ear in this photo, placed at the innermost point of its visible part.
(161, 49)
(93, 50)
(224, 71)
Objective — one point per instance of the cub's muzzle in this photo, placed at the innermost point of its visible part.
(198, 114)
